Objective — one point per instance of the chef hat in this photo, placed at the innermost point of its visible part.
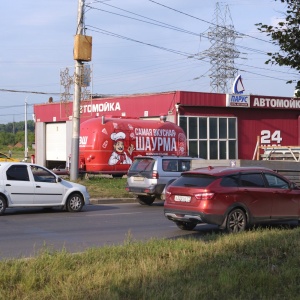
(117, 136)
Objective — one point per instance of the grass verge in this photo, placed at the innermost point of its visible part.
(258, 264)
(100, 187)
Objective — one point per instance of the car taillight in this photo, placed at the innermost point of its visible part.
(204, 196)
(155, 175)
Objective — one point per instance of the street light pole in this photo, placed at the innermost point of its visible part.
(76, 102)
(26, 138)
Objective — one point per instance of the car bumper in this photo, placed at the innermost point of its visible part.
(86, 196)
(141, 190)
(191, 216)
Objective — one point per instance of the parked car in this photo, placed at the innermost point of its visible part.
(148, 175)
(233, 198)
(4, 157)
(29, 185)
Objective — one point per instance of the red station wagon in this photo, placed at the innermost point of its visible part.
(233, 198)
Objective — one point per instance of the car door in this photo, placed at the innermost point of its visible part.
(255, 195)
(285, 201)
(46, 188)
(19, 186)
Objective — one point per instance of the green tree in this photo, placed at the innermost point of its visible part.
(7, 138)
(287, 36)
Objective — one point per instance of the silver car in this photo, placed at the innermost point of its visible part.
(30, 185)
(148, 175)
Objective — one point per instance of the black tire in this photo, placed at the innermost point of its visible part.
(75, 203)
(3, 205)
(145, 200)
(236, 221)
(186, 225)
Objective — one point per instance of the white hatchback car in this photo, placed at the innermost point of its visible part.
(29, 185)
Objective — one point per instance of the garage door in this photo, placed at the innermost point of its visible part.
(56, 141)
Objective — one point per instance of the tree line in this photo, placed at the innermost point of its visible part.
(13, 133)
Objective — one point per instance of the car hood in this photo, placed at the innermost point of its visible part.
(70, 184)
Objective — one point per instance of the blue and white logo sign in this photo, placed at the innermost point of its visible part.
(238, 87)
(237, 99)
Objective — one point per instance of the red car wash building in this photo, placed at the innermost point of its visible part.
(217, 126)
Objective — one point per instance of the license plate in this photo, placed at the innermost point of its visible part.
(138, 178)
(182, 198)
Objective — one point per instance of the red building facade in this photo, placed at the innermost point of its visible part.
(218, 126)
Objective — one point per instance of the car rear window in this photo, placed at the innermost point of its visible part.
(142, 165)
(194, 180)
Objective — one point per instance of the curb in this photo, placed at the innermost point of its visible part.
(112, 200)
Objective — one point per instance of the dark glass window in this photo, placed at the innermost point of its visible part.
(216, 136)
(194, 180)
(193, 128)
(223, 149)
(203, 149)
(17, 172)
(222, 128)
(176, 165)
(213, 128)
(184, 165)
(252, 180)
(202, 128)
(142, 165)
(232, 149)
(42, 175)
(230, 181)
(183, 124)
(193, 150)
(213, 153)
(276, 182)
(232, 128)
(170, 165)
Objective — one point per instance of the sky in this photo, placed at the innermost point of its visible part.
(139, 46)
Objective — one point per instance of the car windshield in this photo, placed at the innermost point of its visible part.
(196, 180)
(140, 165)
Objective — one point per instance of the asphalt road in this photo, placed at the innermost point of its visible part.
(24, 232)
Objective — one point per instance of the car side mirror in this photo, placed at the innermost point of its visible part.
(293, 186)
(58, 179)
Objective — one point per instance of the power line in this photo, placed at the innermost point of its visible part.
(28, 92)
(99, 30)
(211, 23)
(168, 26)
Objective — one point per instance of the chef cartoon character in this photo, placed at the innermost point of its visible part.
(119, 156)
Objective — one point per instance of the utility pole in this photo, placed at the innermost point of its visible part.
(26, 138)
(76, 102)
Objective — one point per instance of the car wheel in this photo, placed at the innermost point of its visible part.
(186, 225)
(236, 221)
(145, 200)
(75, 203)
(2, 205)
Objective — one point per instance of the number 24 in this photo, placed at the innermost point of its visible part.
(267, 137)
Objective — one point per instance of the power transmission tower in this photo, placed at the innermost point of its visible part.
(222, 52)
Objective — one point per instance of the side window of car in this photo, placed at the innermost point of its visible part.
(252, 180)
(184, 165)
(42, 175)
(230, 181)
(17, 172)
(170, 165)
(276, 182)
